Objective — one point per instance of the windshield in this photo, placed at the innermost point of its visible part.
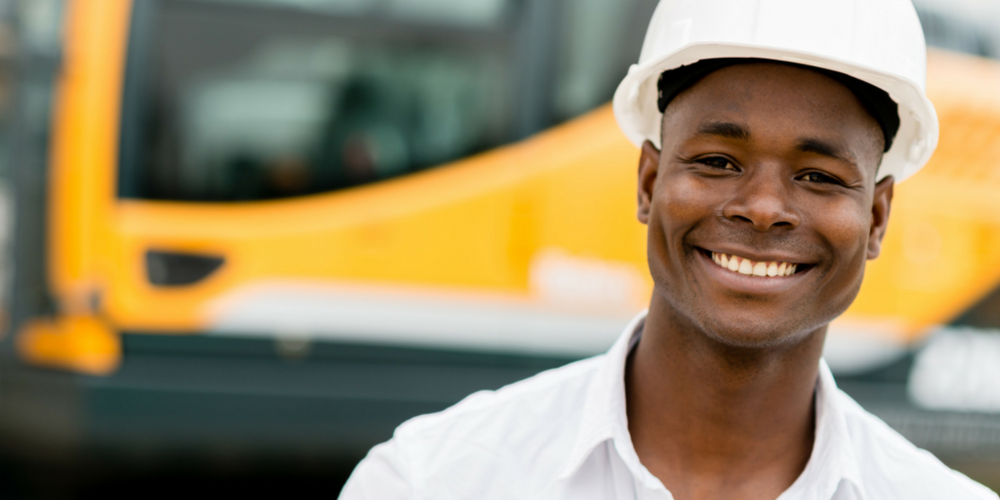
(230, 101)
(456, 12)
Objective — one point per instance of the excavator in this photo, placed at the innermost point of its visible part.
(299, 223)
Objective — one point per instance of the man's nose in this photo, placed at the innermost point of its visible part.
(764, 199)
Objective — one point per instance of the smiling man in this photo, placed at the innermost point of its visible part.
(772, 134)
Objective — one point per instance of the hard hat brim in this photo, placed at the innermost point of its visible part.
(638, 116)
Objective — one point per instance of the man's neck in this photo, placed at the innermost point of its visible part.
(716, 421)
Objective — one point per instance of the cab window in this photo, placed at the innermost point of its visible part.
(252, 100)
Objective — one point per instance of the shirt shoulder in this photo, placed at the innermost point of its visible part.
(892, 467)
(512, 440)
(528, 403)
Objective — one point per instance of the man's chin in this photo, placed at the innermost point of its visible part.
(757, 333)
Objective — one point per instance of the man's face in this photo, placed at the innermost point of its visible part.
(767, 163)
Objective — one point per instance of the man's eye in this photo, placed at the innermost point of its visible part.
(718, 162)
(820, 177)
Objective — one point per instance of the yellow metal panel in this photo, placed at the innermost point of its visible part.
(80, 343)
(942, 250)
(474, 226)
(84, 151)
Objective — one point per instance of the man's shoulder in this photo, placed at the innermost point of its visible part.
(529, 405)
(893, 467)
(503, 443)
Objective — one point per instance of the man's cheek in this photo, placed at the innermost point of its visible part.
(682, 202)
(850, 234)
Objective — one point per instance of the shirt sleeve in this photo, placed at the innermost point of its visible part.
(383, 475)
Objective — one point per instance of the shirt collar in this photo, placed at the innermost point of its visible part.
(604, 415)
(604, 418)
(833, 459)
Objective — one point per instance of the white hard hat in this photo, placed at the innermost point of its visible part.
(879, 42)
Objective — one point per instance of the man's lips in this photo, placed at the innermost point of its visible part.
(766, 274)
(760, 267)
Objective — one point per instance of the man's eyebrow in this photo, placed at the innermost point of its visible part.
(824, 148)
(727, 130)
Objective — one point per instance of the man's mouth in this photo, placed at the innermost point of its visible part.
(745, 266)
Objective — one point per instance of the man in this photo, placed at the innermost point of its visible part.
(772, 133)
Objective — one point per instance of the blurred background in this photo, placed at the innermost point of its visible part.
(242, 240)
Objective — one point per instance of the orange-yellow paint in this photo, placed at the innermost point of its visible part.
(941, 250)
(81, 192)
(80, 343)
(84, 152)
(473, 225)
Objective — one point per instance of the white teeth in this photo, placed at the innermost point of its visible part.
(760, 269)
(750, 268)
(734, 263)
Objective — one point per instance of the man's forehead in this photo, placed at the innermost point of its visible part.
(741, 82)
(735, 100)
(826, 97)
(810, 111)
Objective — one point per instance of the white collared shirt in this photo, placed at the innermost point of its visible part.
(563, 434)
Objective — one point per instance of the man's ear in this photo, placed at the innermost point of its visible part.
(649, 163)
(880, 215)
